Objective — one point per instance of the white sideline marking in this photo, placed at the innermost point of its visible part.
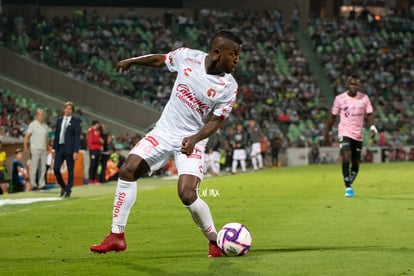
(27, 200)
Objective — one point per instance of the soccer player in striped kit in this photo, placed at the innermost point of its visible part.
(203, 95)
(352, 107)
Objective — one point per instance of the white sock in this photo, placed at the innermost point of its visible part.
(216, 167)
(202, 217)
(243, 165)
(234, 166)
(125, 195)
(254, 163)
(260, 160)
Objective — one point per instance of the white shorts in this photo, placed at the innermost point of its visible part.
(239, 154)
(256, 149)
(213, 157)
(158, 147)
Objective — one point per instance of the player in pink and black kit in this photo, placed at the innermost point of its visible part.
(203, 95)
(352, 106)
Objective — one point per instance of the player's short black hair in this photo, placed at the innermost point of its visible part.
(352, 76)
(226, 34)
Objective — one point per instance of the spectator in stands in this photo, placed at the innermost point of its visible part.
(314, 155)
(66, 147)
(327, 158)
(83, 143)
(37, 134)
(4, 185)
(106, 151)
(112, 168)
(20, 177)
(276, 144)
(95, 144)
(382, 48)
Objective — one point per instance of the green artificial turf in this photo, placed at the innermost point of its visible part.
(299, 219)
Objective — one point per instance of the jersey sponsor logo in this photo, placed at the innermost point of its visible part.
(193, 60)
(119, 202)
(346, 112)
(189, 99)
(187, 71)
(211, 93)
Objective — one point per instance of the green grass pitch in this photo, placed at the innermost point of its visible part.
(300, 221)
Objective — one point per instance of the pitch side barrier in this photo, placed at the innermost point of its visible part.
(329, 155)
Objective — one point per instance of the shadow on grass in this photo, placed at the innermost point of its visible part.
(389, 198)
(329, 248)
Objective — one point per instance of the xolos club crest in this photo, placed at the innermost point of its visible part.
(211, 93)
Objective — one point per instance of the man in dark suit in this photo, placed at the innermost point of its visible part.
(66, 146)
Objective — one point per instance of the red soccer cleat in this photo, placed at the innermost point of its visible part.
(112, 242)
(213, 250)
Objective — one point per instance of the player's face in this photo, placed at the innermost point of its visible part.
(229, 57)
(353, 85)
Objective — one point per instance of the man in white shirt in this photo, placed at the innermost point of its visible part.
(37, 133)
(203, 95)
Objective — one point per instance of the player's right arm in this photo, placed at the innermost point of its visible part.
(152, 60)
(206, 131)
(329, 124)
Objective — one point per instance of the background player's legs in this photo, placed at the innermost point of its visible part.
(346, 156)
(256, 155)
(215, 162)
(243, 165)
(234, 165)
(254, 163)
(355, 160)
(260, 161)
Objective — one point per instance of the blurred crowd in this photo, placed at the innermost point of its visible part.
(87, 46)
(276, 88)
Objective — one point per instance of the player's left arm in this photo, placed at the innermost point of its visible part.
(207, 130)
(329, 124)
(370, 118)
(372, 129)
